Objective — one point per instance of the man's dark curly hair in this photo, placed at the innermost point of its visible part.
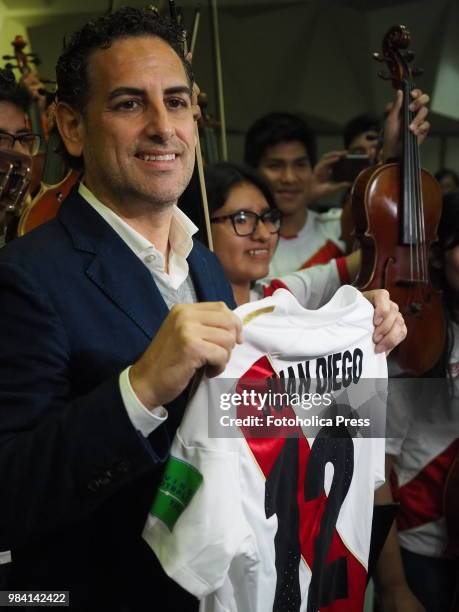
(274, 128)
(73, 85)
(13, 92)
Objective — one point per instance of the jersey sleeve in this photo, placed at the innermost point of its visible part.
(312, 287)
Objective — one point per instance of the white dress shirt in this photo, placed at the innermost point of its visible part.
(180, 243)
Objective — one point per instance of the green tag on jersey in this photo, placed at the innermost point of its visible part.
(180, 482)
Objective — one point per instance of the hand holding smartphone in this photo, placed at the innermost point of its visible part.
(349, 167)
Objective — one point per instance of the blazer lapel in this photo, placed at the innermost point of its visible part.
(114, 268)
(202, 279)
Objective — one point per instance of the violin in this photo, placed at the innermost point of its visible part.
(47, 164)
(23, 61)
(35, 117)
(197, 180)
(396, 209)
(46, 203)
(47, 167)
(15, 176)
(48, 160)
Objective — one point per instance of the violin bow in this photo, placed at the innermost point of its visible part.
(199, 162)
(219, 78)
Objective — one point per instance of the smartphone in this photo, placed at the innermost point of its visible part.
(349, 167)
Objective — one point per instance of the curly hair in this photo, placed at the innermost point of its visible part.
(13, 92)
(73, 85)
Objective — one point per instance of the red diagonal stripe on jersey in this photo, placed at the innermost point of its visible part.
(272, 287)
(421, 499)
(328, 251)
(265, 451)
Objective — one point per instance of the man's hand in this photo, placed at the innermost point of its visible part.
(400, 599)
(390, 328)
(322, 184)
(392, 126)
(191, 337)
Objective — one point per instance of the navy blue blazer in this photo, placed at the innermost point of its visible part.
(77, 480)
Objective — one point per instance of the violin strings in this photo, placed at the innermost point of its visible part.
(422, 259)
(407, 202)
(415, 191)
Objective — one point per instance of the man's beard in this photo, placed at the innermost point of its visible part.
(144, 196)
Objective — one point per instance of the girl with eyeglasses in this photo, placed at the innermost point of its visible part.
(245, 229)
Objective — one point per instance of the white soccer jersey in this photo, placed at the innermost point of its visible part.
(277, 523)
(316, 243)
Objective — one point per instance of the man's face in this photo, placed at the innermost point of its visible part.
(138, 129)
(287, 169)
(447, 184)
(365, 144)
(13, 121)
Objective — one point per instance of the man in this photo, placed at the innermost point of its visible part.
(448, 179)
(94, 368)
(362, 134)
(81, 444)
(14, 104)
(282, 148)
(15, 136)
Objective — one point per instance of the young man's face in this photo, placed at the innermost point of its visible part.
(447, 184)
(365, 144)
(137, 133)
(287, 168)
(13, 121)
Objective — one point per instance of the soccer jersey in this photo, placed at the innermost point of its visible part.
(254, 524)
(423, 420)
(316, 243)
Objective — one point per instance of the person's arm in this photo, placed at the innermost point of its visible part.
(394, 593)
(322, 181)
(353, 261)
(61, 456)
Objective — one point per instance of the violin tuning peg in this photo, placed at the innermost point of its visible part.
(377, 57)
(417, 72)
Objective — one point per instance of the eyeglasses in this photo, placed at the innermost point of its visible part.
(30, 142)
(245, 222)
